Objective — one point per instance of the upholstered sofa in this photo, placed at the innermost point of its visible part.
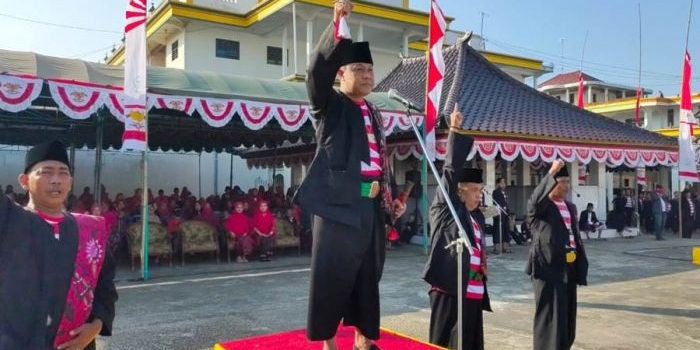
(198, 237)
(285, 235)
(159, 244)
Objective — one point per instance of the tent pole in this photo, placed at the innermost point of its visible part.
(144, 209)
(97, 195)
(200, 175)
(230, 173)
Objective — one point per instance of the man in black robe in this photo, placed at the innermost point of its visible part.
(501, 223)
(38, 247)
(464, 186)
(557, 261)
(347, 189)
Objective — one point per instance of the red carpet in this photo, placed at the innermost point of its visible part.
(296, 340)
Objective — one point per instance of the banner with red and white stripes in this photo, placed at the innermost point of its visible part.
(134, 103)
(687, 169)
(435, 72)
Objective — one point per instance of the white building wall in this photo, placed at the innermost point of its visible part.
(178, 62)
(201, 53)
(122, 172)
(234, 6)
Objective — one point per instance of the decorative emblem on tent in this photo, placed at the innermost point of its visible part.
(291, 117)
(255, 115)
(547, 153)
(17, 93)
(77, 101)
(216, 112)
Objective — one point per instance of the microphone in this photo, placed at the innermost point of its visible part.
(576, 192)
(395, 95)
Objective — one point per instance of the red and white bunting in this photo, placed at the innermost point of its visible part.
(509, 151)
(687, 168)
(291, 117)
(177, 103)
(216, 112)
(389, 122)
(435, 74)
(404, 124)
(77, 101)
(530, 152)
(18, 93)
(115, 103)
(255, 115)
(548, 153)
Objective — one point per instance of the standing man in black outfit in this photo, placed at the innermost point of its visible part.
(557, 261)
(347, 189)
(501, 223)
(464, 186)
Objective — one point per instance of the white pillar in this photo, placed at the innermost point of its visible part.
(489, 183)
(524, 176)
(675, 181)
(285, 55)
(534, 82)
(294, 36)
(309, 41)
(361, 32)
(590, 94)
(609, 186)
(566, 96)
(507, 174)
(606, 95)
(598, 172)
(404, 46)
(490, 176)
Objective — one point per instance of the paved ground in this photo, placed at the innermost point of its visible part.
(643, 295)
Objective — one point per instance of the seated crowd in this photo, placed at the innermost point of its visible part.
(246, 222)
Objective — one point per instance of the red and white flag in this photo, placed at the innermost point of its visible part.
(579, 101)
(135, 123)
(642, 176)
(636, 106)
(436, 72)
(687, 169)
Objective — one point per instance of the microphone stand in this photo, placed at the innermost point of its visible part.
(458, 243)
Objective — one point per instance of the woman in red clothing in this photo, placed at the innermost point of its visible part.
(238, 226)
(264, 227)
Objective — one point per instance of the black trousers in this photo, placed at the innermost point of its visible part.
(443, 322)
(497, 222)
(346, 266)
(555, 313)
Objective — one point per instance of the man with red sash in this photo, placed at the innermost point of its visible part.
(557, 261)
(347, 189)
(464, 186)
(56, 280)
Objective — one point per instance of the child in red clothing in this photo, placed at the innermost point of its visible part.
(238, 226)
(264, 227)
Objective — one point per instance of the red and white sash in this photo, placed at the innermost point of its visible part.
(92, 244)
(475, 287)
(566, 216)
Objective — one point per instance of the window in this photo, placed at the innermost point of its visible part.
(228, 49)
(571, 98)
(618, 94)
(595, 98)
(669, 118)
(274, 55)
(173, 50)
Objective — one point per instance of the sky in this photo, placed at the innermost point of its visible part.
(553, 31)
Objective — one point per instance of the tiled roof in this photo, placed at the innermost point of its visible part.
(567, 78)
(496, 105)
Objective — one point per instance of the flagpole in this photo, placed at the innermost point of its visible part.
(144, 208)
(639, 92)
(680, 178)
